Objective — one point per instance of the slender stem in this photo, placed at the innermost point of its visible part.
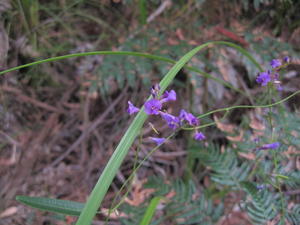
(242, 107)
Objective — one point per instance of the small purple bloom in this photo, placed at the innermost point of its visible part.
(260, 187)
(275, 63)
(158, 141)
(182, 114)
(189, 117)
(278, 85)
(199, 136)
(286, 59)
(131, 108)
(152, 107)
(155, 90)
(169, 96)
(256, 140)
(270, 146)
(263, 78)
(172, 121)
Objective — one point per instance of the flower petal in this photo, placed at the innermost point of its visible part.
(169, 96)
(273, 145)
(158, 141)
(131, 108)
(199, 136)
(152, 107)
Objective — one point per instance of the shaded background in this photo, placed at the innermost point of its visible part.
(60, 121)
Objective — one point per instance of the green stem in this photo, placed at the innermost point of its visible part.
(246, 107)
(150, 56)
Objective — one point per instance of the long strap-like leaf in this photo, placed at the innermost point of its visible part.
(114, 163)
(52, 205)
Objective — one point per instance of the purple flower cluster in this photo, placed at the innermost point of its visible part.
(272, 76)
(154, 107)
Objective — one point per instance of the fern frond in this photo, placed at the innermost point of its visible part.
(225, 166)
(294, 216)
(185, 207)
(262, 207)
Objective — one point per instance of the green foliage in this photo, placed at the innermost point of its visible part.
(150, 210)
(270, 169)
(52, 205)
(185, 207)
(294, 215)
(281, 13)
(294, 179)
(226, 168)
(262, 206)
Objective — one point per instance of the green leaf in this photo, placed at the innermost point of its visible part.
(122, 149)
(262, 207)
(52, 205)
(150, 211)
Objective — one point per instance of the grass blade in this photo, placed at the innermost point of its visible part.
(52, 205)
(149, 56)
(150, 211)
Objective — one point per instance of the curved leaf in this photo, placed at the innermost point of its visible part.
(52, 205)
(150, 210)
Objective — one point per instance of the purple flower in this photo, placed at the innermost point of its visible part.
(158, 141)
(260, 186)
(199, 136)
(131, 108)
(155, 90)
(189, 117)
(172, 121)
(286, 59)
(270, 146)
(169, 96)
(263, 78)
(275, 63)
(152, 107)
(278, 85)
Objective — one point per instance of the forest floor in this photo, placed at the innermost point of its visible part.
(61, 121)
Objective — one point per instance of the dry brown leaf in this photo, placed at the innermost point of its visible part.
(172, 41)
(235, 218)
(69, 220)
(139, 194)
(255, 123)
(206, 181)
(226, 69)
(193, 42)
(222, 148)
(180, 220)
(179, 34)
(113, 215)
(298, 162)
(229, 128)
(9, 212)
(291, 151)
(238, 27)
(294, 133)
(171, 194)
(250, 155)
(238, 138)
